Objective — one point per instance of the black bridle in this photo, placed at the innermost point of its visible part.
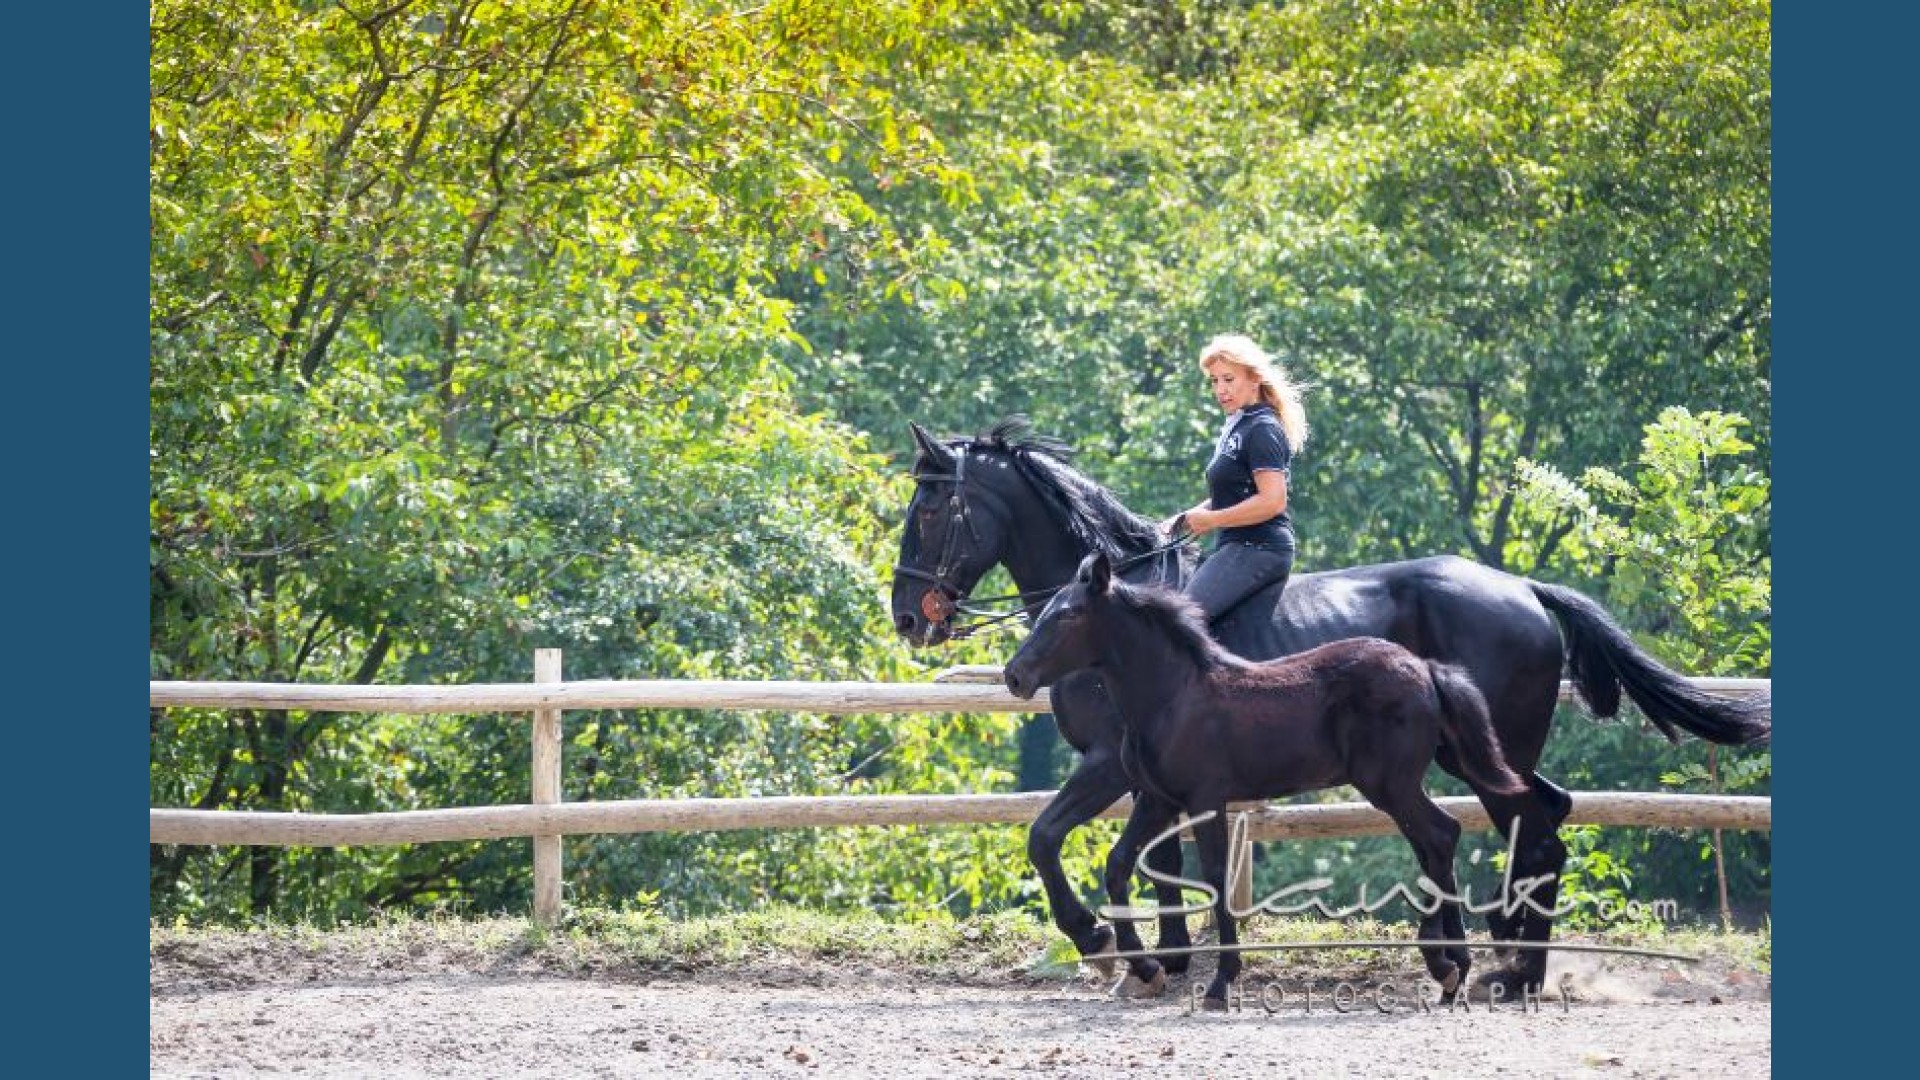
(940, 603)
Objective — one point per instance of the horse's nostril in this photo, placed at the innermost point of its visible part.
(904, 622)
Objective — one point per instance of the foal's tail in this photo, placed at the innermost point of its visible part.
(1602, 659)
(1468, 726)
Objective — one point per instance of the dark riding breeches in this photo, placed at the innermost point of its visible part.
(1235, 571)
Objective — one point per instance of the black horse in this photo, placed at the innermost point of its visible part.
(1204, 727)
(1008, 497)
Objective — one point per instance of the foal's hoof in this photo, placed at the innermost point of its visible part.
(1450, 986)
(1213, 1004)
(1102, 958)
(1134, 988)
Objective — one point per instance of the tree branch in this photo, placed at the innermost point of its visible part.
(376, 657)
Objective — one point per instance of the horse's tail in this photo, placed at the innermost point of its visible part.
(1602, 659)
(1468, 726)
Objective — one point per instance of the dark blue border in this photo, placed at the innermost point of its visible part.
(76, 422)
(1845, 408)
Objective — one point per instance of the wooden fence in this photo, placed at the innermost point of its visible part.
(546, 819)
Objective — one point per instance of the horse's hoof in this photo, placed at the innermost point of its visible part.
(1102, 960)
(1513, 984)
(1450, 987)
(1213, 1004)
(1134, 988)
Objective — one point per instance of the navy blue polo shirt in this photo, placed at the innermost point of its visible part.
(1257, 441)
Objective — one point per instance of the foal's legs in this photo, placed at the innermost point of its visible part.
(1151, 816)
(1211, 835)
(1165, 861)
(1435, 838)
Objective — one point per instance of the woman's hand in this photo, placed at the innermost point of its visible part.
(1188, 521)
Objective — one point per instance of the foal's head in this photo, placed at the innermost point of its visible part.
(1084, 621)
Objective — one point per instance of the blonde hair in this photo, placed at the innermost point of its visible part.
(1277, 388)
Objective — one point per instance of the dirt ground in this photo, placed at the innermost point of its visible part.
(261, 1010)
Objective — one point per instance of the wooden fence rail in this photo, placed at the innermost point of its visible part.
(790, 696)
(1265, 822)
(974, 689)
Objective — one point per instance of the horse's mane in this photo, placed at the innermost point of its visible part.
(1090, 512)
(1177, 616)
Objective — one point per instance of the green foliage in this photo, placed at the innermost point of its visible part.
(1688, 534)
(1596, 888)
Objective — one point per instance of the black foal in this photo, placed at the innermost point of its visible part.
(1205, 728)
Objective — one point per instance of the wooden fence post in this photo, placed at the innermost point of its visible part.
(1240, 859)
(546, 790)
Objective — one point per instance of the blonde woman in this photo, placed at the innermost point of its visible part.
(1246, 477)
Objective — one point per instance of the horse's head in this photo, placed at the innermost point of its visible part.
(1068, 635)
(957, 527)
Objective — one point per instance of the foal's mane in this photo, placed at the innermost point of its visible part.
(1175, 615)
(1090, 512)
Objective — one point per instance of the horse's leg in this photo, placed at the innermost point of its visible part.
(1536, 859)
(1551, 858)
(1555, 805)
(1164, 859)
(1557, 800)
(1150, 817)
(1093, 786)
(1211, 836)
(1090, 722)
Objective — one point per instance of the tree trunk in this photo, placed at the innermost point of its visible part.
(1039, 738)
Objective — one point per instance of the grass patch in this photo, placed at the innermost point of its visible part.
(794, 943)
(771, 942)
(799, 936)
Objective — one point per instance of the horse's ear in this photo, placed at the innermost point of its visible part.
(933, 452)
(1096, 573)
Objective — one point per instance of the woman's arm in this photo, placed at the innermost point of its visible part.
(1269, 499)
